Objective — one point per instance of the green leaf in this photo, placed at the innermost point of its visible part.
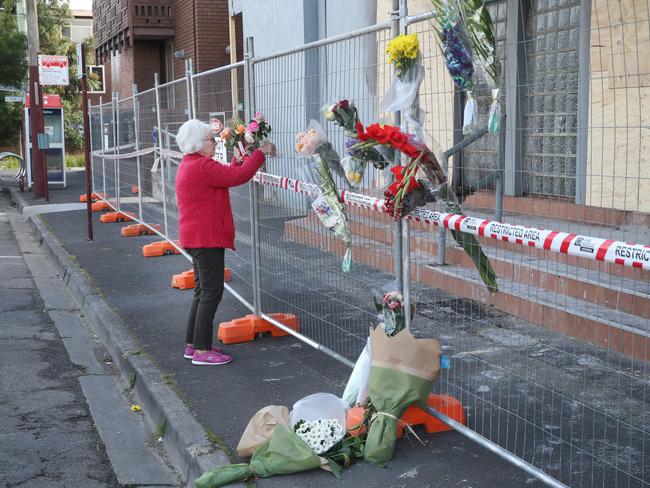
(472, 247)
(334, 466)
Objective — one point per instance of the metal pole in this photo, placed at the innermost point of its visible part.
(249, 102)
(188, 87)
(102, 145)
(405, 245)
(498, 201)
(397, 246)
(90, 130)
(584, 33)
(163, 160)
(442, 231)
(117, 145)
(115, 164)
(38, 172)
(192, 89)
(89, 189)
(136, 123)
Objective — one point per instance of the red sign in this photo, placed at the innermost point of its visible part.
(216, 126)
(49, 101)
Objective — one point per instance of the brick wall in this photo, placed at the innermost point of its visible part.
(201, 28)
(184, 33)
(212, 34)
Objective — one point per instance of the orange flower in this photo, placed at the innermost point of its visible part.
(240, 129)
(225, 134)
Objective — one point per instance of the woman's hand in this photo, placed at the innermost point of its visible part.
(268, 149)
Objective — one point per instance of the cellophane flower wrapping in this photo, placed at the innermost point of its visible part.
(329, 209)
(480, 33)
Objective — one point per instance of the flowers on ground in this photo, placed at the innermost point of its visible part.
(320, 435)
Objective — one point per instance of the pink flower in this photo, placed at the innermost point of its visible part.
(253, 126)
(259, 116)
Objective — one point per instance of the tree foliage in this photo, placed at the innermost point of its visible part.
(53, 15)
(13, 70)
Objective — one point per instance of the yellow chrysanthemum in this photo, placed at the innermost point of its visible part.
(402, 51)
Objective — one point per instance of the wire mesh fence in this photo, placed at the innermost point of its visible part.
(554, 367)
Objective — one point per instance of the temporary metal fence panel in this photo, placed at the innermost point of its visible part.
(552, 369)
(301, 260)
(220, 96)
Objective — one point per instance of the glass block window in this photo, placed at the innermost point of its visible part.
(550, 118)
(480, 158)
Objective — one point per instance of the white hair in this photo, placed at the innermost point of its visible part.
(191, 136)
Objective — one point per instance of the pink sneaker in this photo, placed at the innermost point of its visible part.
(189, 351)
(210, 358)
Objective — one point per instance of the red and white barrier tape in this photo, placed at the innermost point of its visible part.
(596, 248)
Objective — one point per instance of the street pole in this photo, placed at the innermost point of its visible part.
(36, 122)
(84, 90)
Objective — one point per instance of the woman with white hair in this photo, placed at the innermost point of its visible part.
(207, 229)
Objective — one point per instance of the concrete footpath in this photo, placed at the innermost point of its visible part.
(131, 308)
(65, 416)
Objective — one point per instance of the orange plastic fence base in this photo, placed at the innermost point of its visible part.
(246, 328)
(139, 230)
(111, 217)
(100, 207)
(185, 280)
(414, 416)
(93, 197)
(135, 190)
(159, 248)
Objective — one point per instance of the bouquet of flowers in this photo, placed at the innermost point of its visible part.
(411, 190)
(345, 114)
(458, 56)
(403, 52)
(238, 137)
(479, 28)
(282, 445)
(329, 209)
(402, 371)
(391, 307)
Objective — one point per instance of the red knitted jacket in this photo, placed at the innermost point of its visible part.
(204, 213)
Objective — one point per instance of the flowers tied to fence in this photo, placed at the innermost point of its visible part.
(238, 137)
(457, 55)
(419, 181)
(313, 143)
(391, 307)
(345, 114)
(402, 52)
(465, 31)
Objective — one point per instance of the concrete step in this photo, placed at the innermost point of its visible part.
(587, 321)
(521, 264)
(373, 225)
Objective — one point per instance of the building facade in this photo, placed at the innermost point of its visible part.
(134, 39)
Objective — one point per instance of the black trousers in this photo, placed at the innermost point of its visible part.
(208, 289)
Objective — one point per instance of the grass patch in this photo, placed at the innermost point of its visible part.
(9, 164)
(160, 430)
(217, 442)
(77, 160)
(168, 379)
